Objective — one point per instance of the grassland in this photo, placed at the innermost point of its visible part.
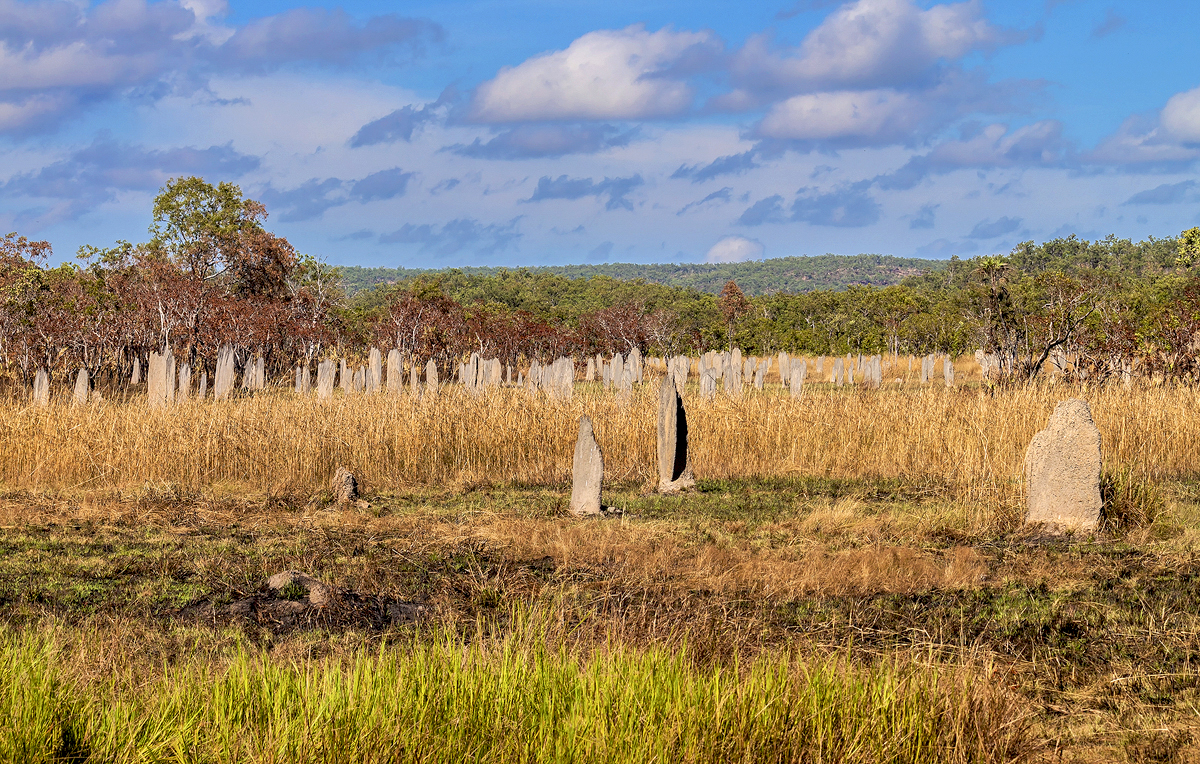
(848, 582)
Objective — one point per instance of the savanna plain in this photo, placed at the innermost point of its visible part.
(848, 581)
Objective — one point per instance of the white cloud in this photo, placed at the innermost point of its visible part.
(76, 64)
(610, 74)
(878, 114)
(208, 14)
(874, 72)
(1164, 140)
(734, 249)
(866, 44)
(1181, 116)
(1133, 143)
(58, 59)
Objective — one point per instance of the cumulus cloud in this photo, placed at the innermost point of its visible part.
(563, 187)
(1140, 143)
(536, 141)
(734, 249)
(882, 116)
(1168, 140)
(1181, 116)
(1040, 143)
(25, 114)
(832, 120)
(609, 74)
(57, 58)
(457, 235)
(987, 229)
(869, 44)
(874, 72)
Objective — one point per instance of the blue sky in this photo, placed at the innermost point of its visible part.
(431, 134)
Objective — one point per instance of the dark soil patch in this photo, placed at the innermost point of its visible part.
(346, 610)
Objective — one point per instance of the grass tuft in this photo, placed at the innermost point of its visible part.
(512, 698)
(1130, 501)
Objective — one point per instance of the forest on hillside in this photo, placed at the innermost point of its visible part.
(212, 275)
(754, 278)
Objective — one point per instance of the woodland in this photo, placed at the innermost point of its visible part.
(212, 274)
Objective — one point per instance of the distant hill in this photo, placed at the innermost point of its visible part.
(783, 274)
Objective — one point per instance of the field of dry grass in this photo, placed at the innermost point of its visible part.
(966, 440)
(878, 528)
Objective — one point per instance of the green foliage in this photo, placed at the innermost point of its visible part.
(101, 258)
(293, 591)
(1130, 501)
(505, 699)
(1189, 248)
(543, 294)
(783, 274)
(197, 224)
(1021, 303)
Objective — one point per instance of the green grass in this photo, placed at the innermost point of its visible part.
(496, 699)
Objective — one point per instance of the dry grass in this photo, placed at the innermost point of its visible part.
(964, 440)
(800, 554)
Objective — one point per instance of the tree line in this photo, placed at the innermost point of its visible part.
(211, 275)
(754, 277)
(1110, 305)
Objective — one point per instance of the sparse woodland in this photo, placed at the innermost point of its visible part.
(212, 274)
(848, 580)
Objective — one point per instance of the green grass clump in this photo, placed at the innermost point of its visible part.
(496, 699)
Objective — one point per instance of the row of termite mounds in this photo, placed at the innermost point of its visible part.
(168, 383)
(674, 464)
(1062, 465)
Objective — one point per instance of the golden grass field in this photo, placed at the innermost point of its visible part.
(967, 440)
(866, 539)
